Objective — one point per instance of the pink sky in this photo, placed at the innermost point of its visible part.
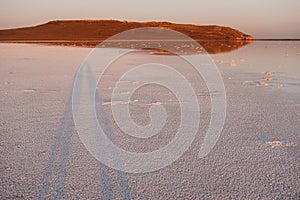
(260, 18)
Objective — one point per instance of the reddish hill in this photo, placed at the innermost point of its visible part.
(90, 32)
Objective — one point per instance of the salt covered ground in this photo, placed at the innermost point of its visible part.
(256, 156)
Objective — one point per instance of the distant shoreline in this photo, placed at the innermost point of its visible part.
(210, 46)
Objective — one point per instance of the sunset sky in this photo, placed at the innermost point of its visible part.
(260, 18)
